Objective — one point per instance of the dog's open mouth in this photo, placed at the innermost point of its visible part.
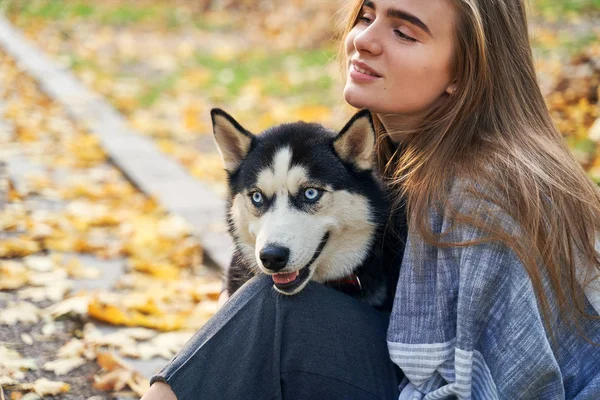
(288, 282)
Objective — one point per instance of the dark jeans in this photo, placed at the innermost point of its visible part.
(318, 344)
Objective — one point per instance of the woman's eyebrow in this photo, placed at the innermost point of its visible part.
(395, 13)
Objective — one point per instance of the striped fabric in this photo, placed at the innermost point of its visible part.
(466, 323)
(442, 370)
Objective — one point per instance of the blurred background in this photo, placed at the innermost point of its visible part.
(164, 64)
(92, 269)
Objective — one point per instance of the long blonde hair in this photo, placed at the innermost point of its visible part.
(497, 117)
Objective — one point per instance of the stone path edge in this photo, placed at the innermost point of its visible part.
(136, 156)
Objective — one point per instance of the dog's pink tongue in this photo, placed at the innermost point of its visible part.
(282, 278)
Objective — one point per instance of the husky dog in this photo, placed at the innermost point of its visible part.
(304, 203)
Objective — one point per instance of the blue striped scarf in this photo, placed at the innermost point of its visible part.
(466, 323)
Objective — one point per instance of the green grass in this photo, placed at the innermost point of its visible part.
(271, 69)
(557, 9)
(568, 45)
(206, 24)
(122, 14)
(126, 13)
(155, 90)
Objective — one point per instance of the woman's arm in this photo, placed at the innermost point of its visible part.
(159, 391)
(223, 296)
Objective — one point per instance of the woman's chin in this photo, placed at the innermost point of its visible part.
(356, 99)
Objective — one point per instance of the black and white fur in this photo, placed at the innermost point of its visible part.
(305, 203)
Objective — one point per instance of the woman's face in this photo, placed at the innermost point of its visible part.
(399, 56)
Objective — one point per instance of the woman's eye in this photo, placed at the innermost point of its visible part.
(257, 198)
(312, 194)
(404, 36)
(366, 18)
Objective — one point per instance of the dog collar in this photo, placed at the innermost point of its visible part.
(348, 280)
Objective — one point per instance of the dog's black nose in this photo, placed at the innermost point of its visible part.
(274, 258)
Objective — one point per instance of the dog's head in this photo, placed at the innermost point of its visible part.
(304, 202)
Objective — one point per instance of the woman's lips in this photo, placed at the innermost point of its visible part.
(361, 72)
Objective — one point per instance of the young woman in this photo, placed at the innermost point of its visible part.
(497, 295)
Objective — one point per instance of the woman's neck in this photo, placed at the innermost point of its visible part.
(398, 126)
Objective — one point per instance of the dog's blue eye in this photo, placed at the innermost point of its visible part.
(257, 198)
(312, 194)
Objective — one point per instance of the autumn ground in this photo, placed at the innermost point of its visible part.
(90, 268)
(81, 246)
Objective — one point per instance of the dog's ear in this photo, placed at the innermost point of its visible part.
(355, 143)
(232, 139)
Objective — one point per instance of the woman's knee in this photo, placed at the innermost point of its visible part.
(317, 303)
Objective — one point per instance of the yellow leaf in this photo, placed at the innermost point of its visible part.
(207, 290)
(107, 313)
(76, 270)
(12, 275)
(60, 243)
(166, 145)
(157, 269)
(209, 166)
(18, 247)
(119, 375)
(116, 315)
(113, 381)
(110, 361)
(187, 253)
(169, 322)
(191, 118)
(13, 194)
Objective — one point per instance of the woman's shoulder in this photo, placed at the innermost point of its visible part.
(470, 207)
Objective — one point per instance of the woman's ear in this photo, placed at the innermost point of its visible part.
(451, 88)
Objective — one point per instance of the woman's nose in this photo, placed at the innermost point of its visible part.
(368, 41)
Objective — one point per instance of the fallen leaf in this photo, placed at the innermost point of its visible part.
(39, 263)
(13, 275)
(119, 375)
(49, 329)
(48, 278)
(113, 380)
(52, 293)
(64, 366)
(77, 305)
(18, 247)
(72, 349)
(7, 381)
(207, 291)
(45, 387)
(31, 396)
(111, 362)
(22, 311)
(26, 338)
(12, 360)
(77, 270)
(160, 270)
